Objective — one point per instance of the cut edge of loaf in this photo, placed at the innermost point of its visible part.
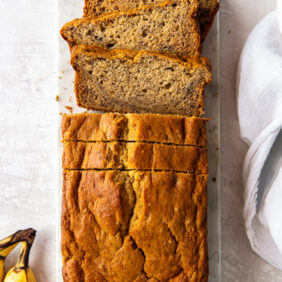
(195, 107)
(206, 15)
(195, 29)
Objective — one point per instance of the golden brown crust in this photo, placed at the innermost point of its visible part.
(132, 226)
(95, 51)
(134, 127)
(206, 13)
(139, 156)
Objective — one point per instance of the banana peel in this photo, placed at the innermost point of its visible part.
(21, 272)
(9, 243)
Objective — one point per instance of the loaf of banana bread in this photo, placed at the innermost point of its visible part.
(128, 156)
(207, 9)
(134, 226)
(168, 129)
(170, 26)
(139, 81)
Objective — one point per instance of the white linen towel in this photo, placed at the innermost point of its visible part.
(259, 89)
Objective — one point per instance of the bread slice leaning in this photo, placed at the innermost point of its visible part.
(139, 82)
(166, 129)
(170, 26)
(207, 9)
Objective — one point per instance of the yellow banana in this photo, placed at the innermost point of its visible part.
(21, 272)
(3, 254)
(7, 245)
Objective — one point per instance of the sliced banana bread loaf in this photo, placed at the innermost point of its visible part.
(207, 9)
(167, 129)
(134, 226)
(170, 27)
(128, 156)
(140, 82)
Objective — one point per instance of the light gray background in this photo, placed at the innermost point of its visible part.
(239, 263)
(28, 132)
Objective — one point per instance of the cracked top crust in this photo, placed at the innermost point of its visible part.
(135, 127)
(139, 156)
(134, 226)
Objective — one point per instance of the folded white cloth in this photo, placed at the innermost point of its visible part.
(259, 89)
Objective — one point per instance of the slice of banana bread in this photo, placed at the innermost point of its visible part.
(128, 156)
(170, 27)
(134, 226)
(134, 127)
(207, 9)
(139, 81)
(206, 14)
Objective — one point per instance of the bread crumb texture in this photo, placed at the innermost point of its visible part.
(207, 9)
(170, 26)
(139, 82)
(134, 226)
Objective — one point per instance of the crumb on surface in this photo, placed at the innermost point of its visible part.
(214, 179)
(217, 148)
(69, 108)
(60, 77)
(61, 114)
(63, 71)
(229, 31)
(57, 98)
